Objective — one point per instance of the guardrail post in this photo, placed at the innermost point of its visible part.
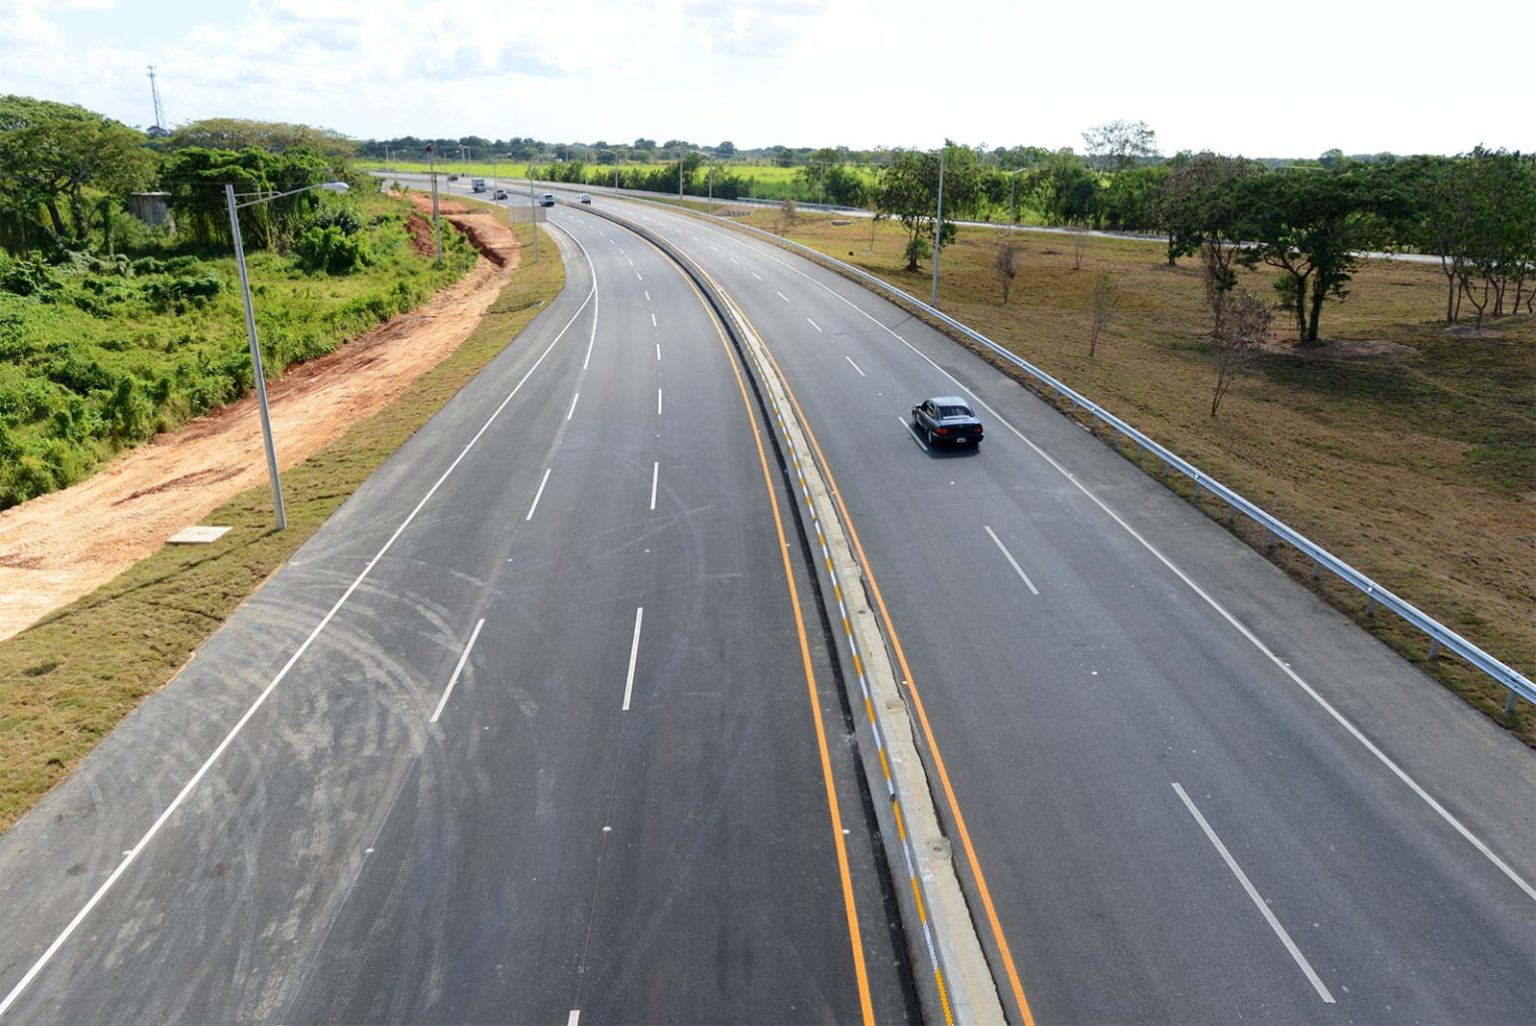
(1269, 543)
(1509, 703)
(1370, 602)
(1231, 512)
(1197, 487)
(1434, 648)
(1317, 572)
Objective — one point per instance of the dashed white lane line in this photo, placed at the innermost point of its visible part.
(634, 652)
(538, 494)
(638, 277)
(913, 432)
(759, 277)
(631, 262)
(733, 260)
(458, 669)
(653, 320)
(658, 352)
(1011, 561)
(1255, 897)
(655, 477)
(647, 295)
(781, 296)
(658, 402)
(574, 1018)
(813, 324)
(856, 367)
(571, 412)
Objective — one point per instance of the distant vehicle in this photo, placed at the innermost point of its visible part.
(478, 185)
(499, 194)
(585, 198)
(453, 178)
(946, 420)
(548, 200)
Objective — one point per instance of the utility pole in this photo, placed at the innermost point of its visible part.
(938, 236)
(437, 227)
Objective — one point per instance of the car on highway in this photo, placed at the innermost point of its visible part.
(946, 420)
(453, 178)
(500, 194)
(548, 200)
(585, 199)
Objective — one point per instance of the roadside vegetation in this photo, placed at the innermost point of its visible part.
(112, 330)
(67, 681)
(1404, 445)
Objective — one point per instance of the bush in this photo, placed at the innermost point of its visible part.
(27, 278)
(331, 250)
(186, 289)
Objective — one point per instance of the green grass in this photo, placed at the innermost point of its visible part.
(99, 357)
(1419, 470)
(71, 678)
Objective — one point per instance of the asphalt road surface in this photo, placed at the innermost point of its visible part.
(540, 727)
(1193, 792)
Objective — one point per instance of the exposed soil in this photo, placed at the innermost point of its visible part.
(58, 547)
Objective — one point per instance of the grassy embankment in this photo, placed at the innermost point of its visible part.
(99, 355)
(1419, 469)
(67, 681)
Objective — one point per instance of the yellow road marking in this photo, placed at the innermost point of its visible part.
(865, 1005)
(917, 704)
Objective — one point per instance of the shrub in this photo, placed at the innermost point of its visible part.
(183, 290)
(27, 278)
(331, 250)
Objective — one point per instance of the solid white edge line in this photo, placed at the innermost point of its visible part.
(571, 412)
(1255, 897)
(1013, 562)
(181, 796)
(913, 432)
(458, 668)
(655, 476)
(1338, 717)
(856, 367)
(538, 495)
(634, 652)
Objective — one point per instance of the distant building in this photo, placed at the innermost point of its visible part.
(153, 208)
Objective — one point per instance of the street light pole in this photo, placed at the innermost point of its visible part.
(437, 226)
(250, 331)
(938, 236)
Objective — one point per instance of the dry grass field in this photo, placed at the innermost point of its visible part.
(1405, 448)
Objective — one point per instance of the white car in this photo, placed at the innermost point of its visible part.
(548, 200)
(585, 199)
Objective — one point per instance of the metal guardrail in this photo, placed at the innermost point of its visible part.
(1440, 636)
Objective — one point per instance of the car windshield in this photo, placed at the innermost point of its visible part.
(954, 411)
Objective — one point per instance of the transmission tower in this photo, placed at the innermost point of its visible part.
(159, 110)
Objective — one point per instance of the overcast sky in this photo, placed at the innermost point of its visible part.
(1236, 76)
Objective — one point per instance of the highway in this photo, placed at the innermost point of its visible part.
(1193, 793)
(545, 725)
(540, 727)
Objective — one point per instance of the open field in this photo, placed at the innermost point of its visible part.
(68, 680)
(1414, 460)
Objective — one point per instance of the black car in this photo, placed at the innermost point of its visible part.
(946, 420)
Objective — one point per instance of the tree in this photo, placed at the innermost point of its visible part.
(1006, 265)
(1242, 335)
(275, 137)
(52, 152)
(727, 150)
(1064, 189)
(1119, 145)
(195, 178)
(908, 191)
(1310, 225)
(1106, 298)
